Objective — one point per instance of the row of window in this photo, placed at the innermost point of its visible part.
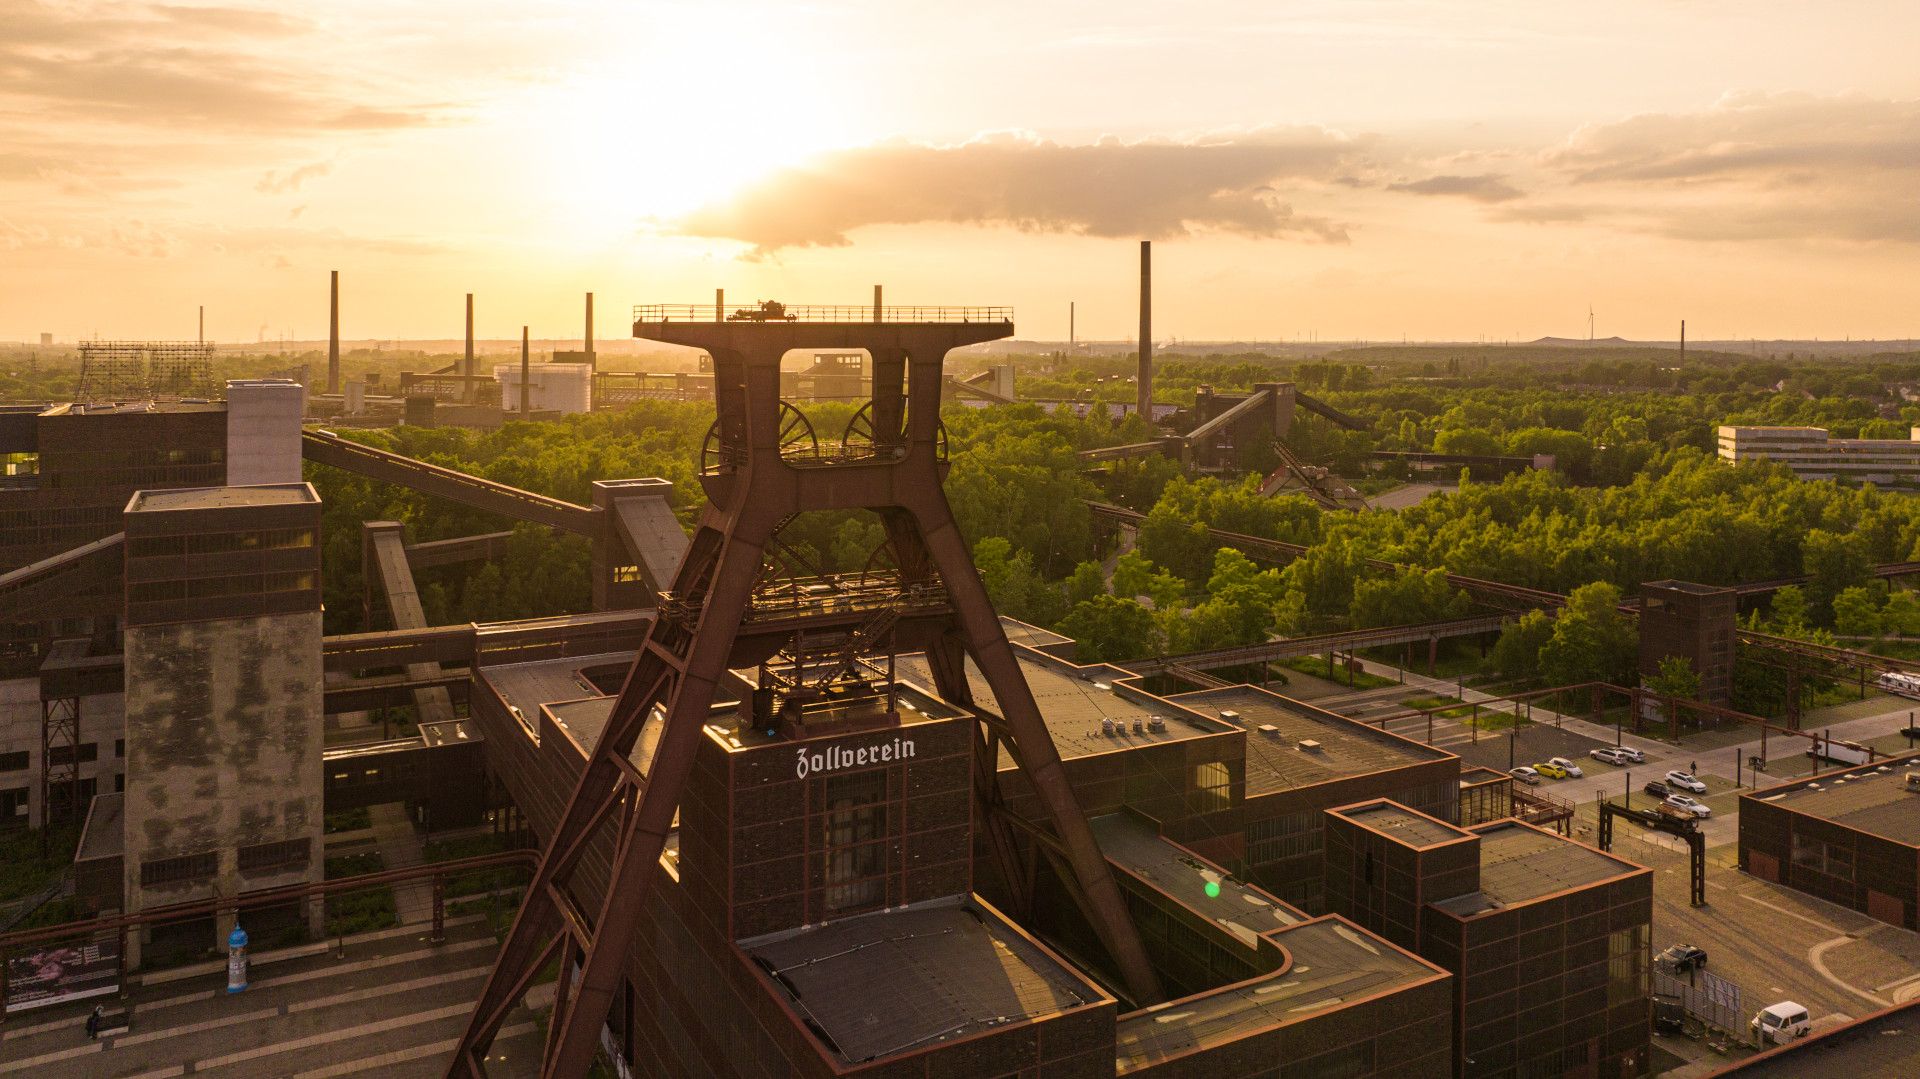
(239, 584)
(270, 539)
(20, 760)
(255, 858)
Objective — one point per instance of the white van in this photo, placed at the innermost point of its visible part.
(1777, 1024)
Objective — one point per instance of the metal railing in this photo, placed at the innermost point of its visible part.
(767, 311)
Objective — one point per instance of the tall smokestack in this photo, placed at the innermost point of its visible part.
(526, 373)
(1683, 341)
(876, 303)
(1146, 331)
(333, 338)
(467, 369)
(1072, 344)
(590, 360)
(202, 339)
(719, 305)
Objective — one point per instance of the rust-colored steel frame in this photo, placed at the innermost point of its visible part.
(752, 490)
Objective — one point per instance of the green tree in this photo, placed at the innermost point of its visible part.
(1787, 611)
(1676, 678)
(1592, 641)
(1833, 562)
(1517, 653)
(1408, 596)
(1109, 628)
(1854, 613)
(1131, 572)
(1087, 582)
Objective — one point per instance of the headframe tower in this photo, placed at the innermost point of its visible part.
(738, 603)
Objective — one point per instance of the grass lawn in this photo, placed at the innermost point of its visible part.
(1318, 667)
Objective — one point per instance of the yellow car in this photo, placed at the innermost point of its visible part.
(1551, 770)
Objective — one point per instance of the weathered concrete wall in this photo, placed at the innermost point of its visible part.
(224, 740)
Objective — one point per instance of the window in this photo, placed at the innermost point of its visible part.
(186, 867)
(855, 840)
(1819, 856)
(13, 762)
(1212, 787)
(272, 857)
(13, 808)
(119, 747)
(89, 751)
(1627, 965)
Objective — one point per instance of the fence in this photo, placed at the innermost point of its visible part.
(1712, 1000)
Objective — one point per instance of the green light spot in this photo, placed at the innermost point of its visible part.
(1213, 889)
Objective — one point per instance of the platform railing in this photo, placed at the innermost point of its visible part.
(766, 311)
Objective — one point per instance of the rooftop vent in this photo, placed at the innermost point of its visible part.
(1139, 726)
(1230, 716)
(1269, 730)
(1308, 745)
(1156, 724)
(1106, 727)
(1913, 781)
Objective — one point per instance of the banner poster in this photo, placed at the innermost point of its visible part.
(69, 970)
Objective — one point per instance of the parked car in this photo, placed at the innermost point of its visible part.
(1633, 754)
(1550, 770)
(1686, 782)
(1689, 805)
(1613, 755)
(1777, 1024)
(1657, 789)
(1573, 770)
(1910, 732)
(1683, 957)
(1526, 775)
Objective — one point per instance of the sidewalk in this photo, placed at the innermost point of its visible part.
(1653, 748)
(400, 845)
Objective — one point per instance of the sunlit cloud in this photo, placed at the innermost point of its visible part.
(1110, 188)
(1486, 187)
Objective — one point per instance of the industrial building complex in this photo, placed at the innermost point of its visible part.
(822, 825)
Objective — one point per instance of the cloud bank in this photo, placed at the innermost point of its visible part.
(1153, 189)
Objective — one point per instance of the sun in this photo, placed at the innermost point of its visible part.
(704, 112)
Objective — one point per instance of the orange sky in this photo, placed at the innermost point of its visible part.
(1455, 169)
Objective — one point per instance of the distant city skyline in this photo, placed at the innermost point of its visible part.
(1476, 169)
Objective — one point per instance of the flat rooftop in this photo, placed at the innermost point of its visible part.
(1275, 761)
(211, 498)
(1240, 909)
(914, 977)
(1404, 825)
(1074, 700)
(1332, 963)
(530, 684)
(1032, 636)
(1866, 798)
(1519, 864)
(1885, 1043)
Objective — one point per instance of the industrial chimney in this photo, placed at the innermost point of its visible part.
(591, 364)
(1146, 331)
(526, 374)
(466, 393)
(333, 337)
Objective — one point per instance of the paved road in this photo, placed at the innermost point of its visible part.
(390, 1008)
